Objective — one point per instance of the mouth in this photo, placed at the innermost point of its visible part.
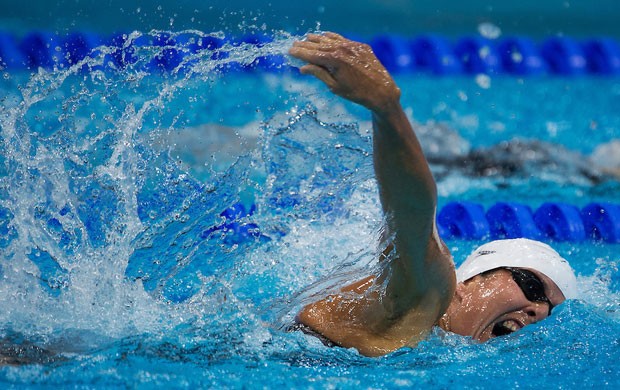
(505, 327)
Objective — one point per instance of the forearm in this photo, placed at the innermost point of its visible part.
(405, 181)
(420, 264)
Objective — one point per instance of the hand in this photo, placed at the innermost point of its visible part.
(350, 69)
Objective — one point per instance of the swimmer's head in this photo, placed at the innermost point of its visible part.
(505, 285)
(521, 253)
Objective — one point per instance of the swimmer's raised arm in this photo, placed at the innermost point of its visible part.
(419, 280)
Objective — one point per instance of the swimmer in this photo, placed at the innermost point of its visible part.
(501, 287)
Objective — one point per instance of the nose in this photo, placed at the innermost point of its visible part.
(538, 311)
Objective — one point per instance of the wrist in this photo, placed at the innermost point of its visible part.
(387, 105)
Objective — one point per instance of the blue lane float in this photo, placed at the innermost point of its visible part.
(565, 56)
(478, 55)
(122, 53)
(512, 220)
(168, 57)
(520, 56)
(235, 231)
(456, 221)
(435, 54)
(552, 221)
(463, 220)
(10, 53)
(77, 46)
(603, 56)
(602, 221)
(39, 50)
(395, 53)
(431, 53)
(560, 222)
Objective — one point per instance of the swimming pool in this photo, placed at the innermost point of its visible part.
(117, 254)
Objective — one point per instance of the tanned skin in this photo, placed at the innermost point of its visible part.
(397, 307)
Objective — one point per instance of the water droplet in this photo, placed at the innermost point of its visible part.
(489, 30)
(483, 81)
(484, 52)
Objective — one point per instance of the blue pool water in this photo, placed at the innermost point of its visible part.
(117, 260)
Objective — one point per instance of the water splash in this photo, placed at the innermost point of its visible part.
(104, 227)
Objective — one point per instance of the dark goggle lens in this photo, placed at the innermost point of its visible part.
(532, 287)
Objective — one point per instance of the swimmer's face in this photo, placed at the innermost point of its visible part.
(495, 304)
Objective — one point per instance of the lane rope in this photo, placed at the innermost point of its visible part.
(429, 53)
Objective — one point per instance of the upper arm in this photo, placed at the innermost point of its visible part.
(361, 316)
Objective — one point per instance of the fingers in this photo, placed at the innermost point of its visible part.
(316, 38)
(313, 56)
(314, 46)
(317, 50)
(323, 42)
(327, 36)
(334, 36)
(320, 73)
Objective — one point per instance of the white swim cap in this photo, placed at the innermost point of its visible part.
(521, 253)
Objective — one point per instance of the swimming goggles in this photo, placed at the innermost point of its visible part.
(531, 285)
